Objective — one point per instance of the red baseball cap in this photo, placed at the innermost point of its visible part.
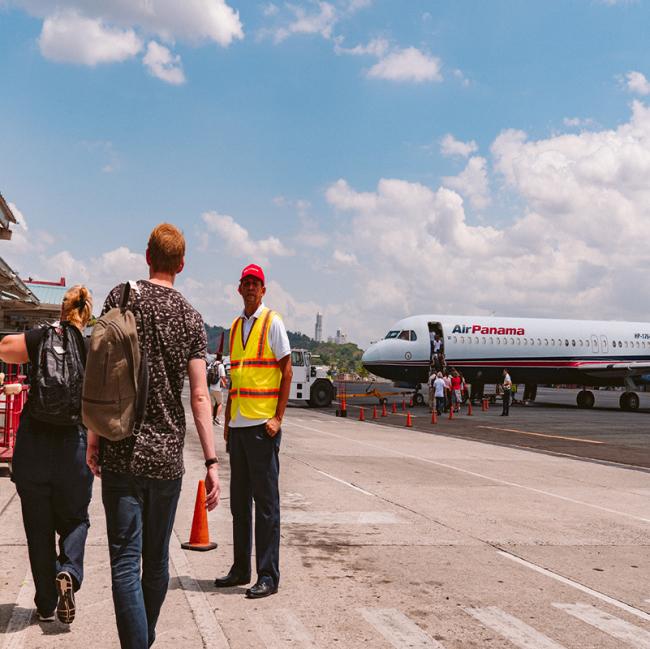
(253, 270)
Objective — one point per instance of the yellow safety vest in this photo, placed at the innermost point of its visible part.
(254, 371)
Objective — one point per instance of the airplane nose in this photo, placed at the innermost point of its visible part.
(372, 354)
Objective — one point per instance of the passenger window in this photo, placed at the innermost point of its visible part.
(462, 340)
(566, 342)
(476, 340)
(505, 340)
(587, 343)
(491, 340)
(573, 343)
(498, 341)
(455, 339)
(539, 342)
(484, 341)
(553, 342)
(519, 341)
(469, 340)
(580, 342)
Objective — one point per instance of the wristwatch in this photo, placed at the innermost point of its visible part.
(210, 462)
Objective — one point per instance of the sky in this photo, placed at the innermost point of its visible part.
(378, 158)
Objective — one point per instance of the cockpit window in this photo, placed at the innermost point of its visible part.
(392, 334)
(407, 335)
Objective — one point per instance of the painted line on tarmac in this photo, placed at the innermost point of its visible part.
(208, 626)
(398, 629)
(21, 615)
(525, 432)
(280, 629)
(345, 482)
(609, 624)
(340, 518)
(513, 629)
(444, 465)
(577, 585)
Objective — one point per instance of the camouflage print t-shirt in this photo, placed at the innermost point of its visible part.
(173, 333)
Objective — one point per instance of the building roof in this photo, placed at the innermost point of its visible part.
(12, 287)
(48, 294)
(6, 219)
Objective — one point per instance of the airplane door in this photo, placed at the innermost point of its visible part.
(594, 344)
(603, 344)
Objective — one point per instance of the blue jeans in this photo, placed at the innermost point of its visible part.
(139, 521)
(55, 487)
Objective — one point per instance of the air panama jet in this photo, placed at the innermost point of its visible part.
(582, 352)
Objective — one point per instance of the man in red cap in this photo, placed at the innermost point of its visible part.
(260, 372)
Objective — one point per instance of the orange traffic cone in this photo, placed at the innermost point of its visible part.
(383, 410)
(394, 407)
(451, 411)
(434, 416)
(374, 412)
(469, 408)
(409, 422)
(344, 408)
(362, 415)
(200, 536)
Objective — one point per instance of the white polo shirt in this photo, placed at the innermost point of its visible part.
(279, 344)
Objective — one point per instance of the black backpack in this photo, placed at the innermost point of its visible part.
(57, 378)
(213, 375)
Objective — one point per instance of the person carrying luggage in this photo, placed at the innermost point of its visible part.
(49, 462)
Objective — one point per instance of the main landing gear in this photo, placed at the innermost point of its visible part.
(629, 401)
(585, 399)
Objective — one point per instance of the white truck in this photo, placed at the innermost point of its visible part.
(309, 383)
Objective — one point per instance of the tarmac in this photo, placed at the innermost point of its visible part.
(438, 536)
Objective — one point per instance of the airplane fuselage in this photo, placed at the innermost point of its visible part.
(535, 350)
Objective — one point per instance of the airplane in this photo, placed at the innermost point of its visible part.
(535, 350)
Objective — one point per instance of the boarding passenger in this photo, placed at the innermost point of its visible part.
(438, 357)
(216, 382)
(456, 396)
(141, 474)
(260, 373)
(447, 379)
(49, 462)
(432, 394)
(439, 391)
(507, 388)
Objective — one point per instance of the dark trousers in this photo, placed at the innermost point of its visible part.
(506, 402)
(140, 516)
(55, 487)
(254, 473)
(440, 404)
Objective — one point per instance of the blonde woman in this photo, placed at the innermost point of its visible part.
(49, 464)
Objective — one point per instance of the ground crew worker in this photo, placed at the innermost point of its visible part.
(260, 374)
(507, 387)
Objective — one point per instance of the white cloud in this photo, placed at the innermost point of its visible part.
(321, 21)
(450, 146)
(472, 183)
(580, 122)
(409, 64)
(375, 47)
(637, 83)
(238, 241)
(164, 65)
(87, 32)
(581, 231)
(191, 21)
(70, 38)
(342, 258)
(460, 75)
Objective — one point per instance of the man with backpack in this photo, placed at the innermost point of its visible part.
(141, 473)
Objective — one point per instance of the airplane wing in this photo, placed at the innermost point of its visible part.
(613, 370)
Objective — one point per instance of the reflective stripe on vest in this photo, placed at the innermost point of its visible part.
(254, 371)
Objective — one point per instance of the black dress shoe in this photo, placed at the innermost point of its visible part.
(231, 579)
(261, 589)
